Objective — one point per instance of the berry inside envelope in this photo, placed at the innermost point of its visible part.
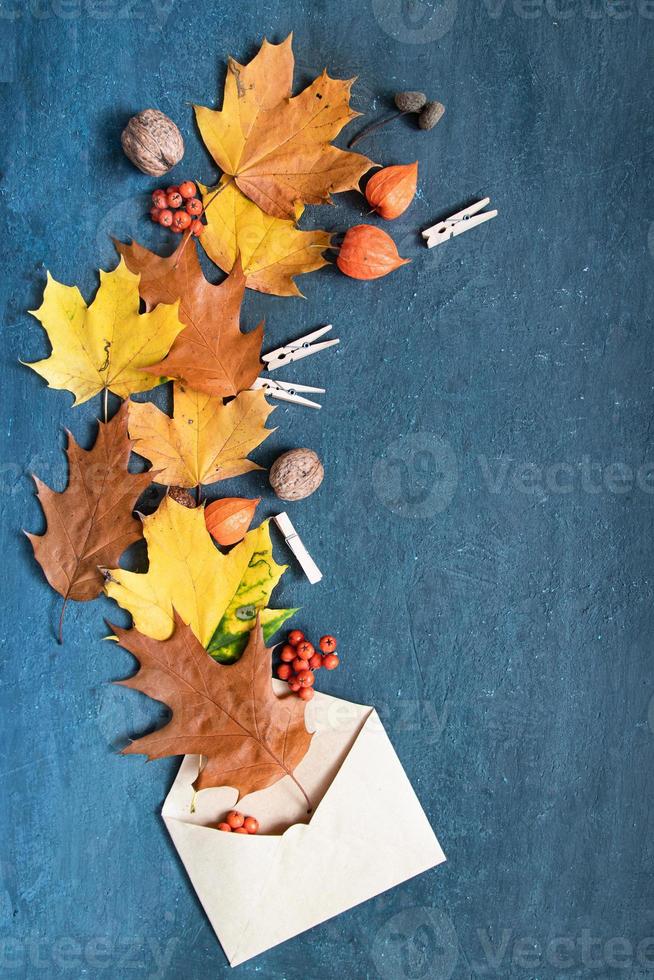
(367, 833)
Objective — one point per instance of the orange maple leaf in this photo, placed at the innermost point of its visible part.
(277, 147)
(211, 354)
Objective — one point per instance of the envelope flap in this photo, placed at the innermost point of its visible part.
(368, 834)
(228, 872)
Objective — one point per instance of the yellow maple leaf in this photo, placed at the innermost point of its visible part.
(249, 90)
(277, 147)
(104, 345)
(272, 250)
(186, 568)
(205, 441)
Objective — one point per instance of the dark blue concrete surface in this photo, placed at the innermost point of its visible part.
(485, 526)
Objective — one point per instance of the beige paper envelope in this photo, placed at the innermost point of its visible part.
(367, 833)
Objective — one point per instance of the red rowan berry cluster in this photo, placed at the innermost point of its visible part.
(239, 824)
(299, 659)
(178, 208)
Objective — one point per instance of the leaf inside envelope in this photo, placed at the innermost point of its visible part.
(228, 714)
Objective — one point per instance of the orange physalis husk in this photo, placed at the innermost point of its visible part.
(368, 253)
(228, 519)
(392, 189)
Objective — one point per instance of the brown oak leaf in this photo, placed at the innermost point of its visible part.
(228, 713)
(211, 354)
(90, 523)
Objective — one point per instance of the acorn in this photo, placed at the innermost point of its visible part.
(407, 102)
(182, 496)
(431, 114)
(410, 101)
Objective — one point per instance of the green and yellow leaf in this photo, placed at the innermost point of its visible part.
(217, 594)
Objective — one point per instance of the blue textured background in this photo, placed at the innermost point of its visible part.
(485, 523)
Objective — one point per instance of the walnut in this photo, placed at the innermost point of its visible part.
(296, 474)
(152, 142)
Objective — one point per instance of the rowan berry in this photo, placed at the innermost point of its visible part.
(174, 199)
(315, 662)
(284, 672)
(194, 207)
(251, 824)
(306, 678)
(241, 830)
(181, 221)
(288, 653)
(328, 643)
(187, 189)
(306, 693)
(330, 661)
(166, 218)
(235, 819)
(225, 826)
(295, 637)
(299, 664)
(197, 227)
(305, 649)
(154, 214)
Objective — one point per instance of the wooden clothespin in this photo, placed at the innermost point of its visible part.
(293, 540)
(286, 391)
(458, 223)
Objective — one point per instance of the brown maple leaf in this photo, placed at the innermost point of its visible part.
(211, 354)
(90, 523)
(228, 713)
